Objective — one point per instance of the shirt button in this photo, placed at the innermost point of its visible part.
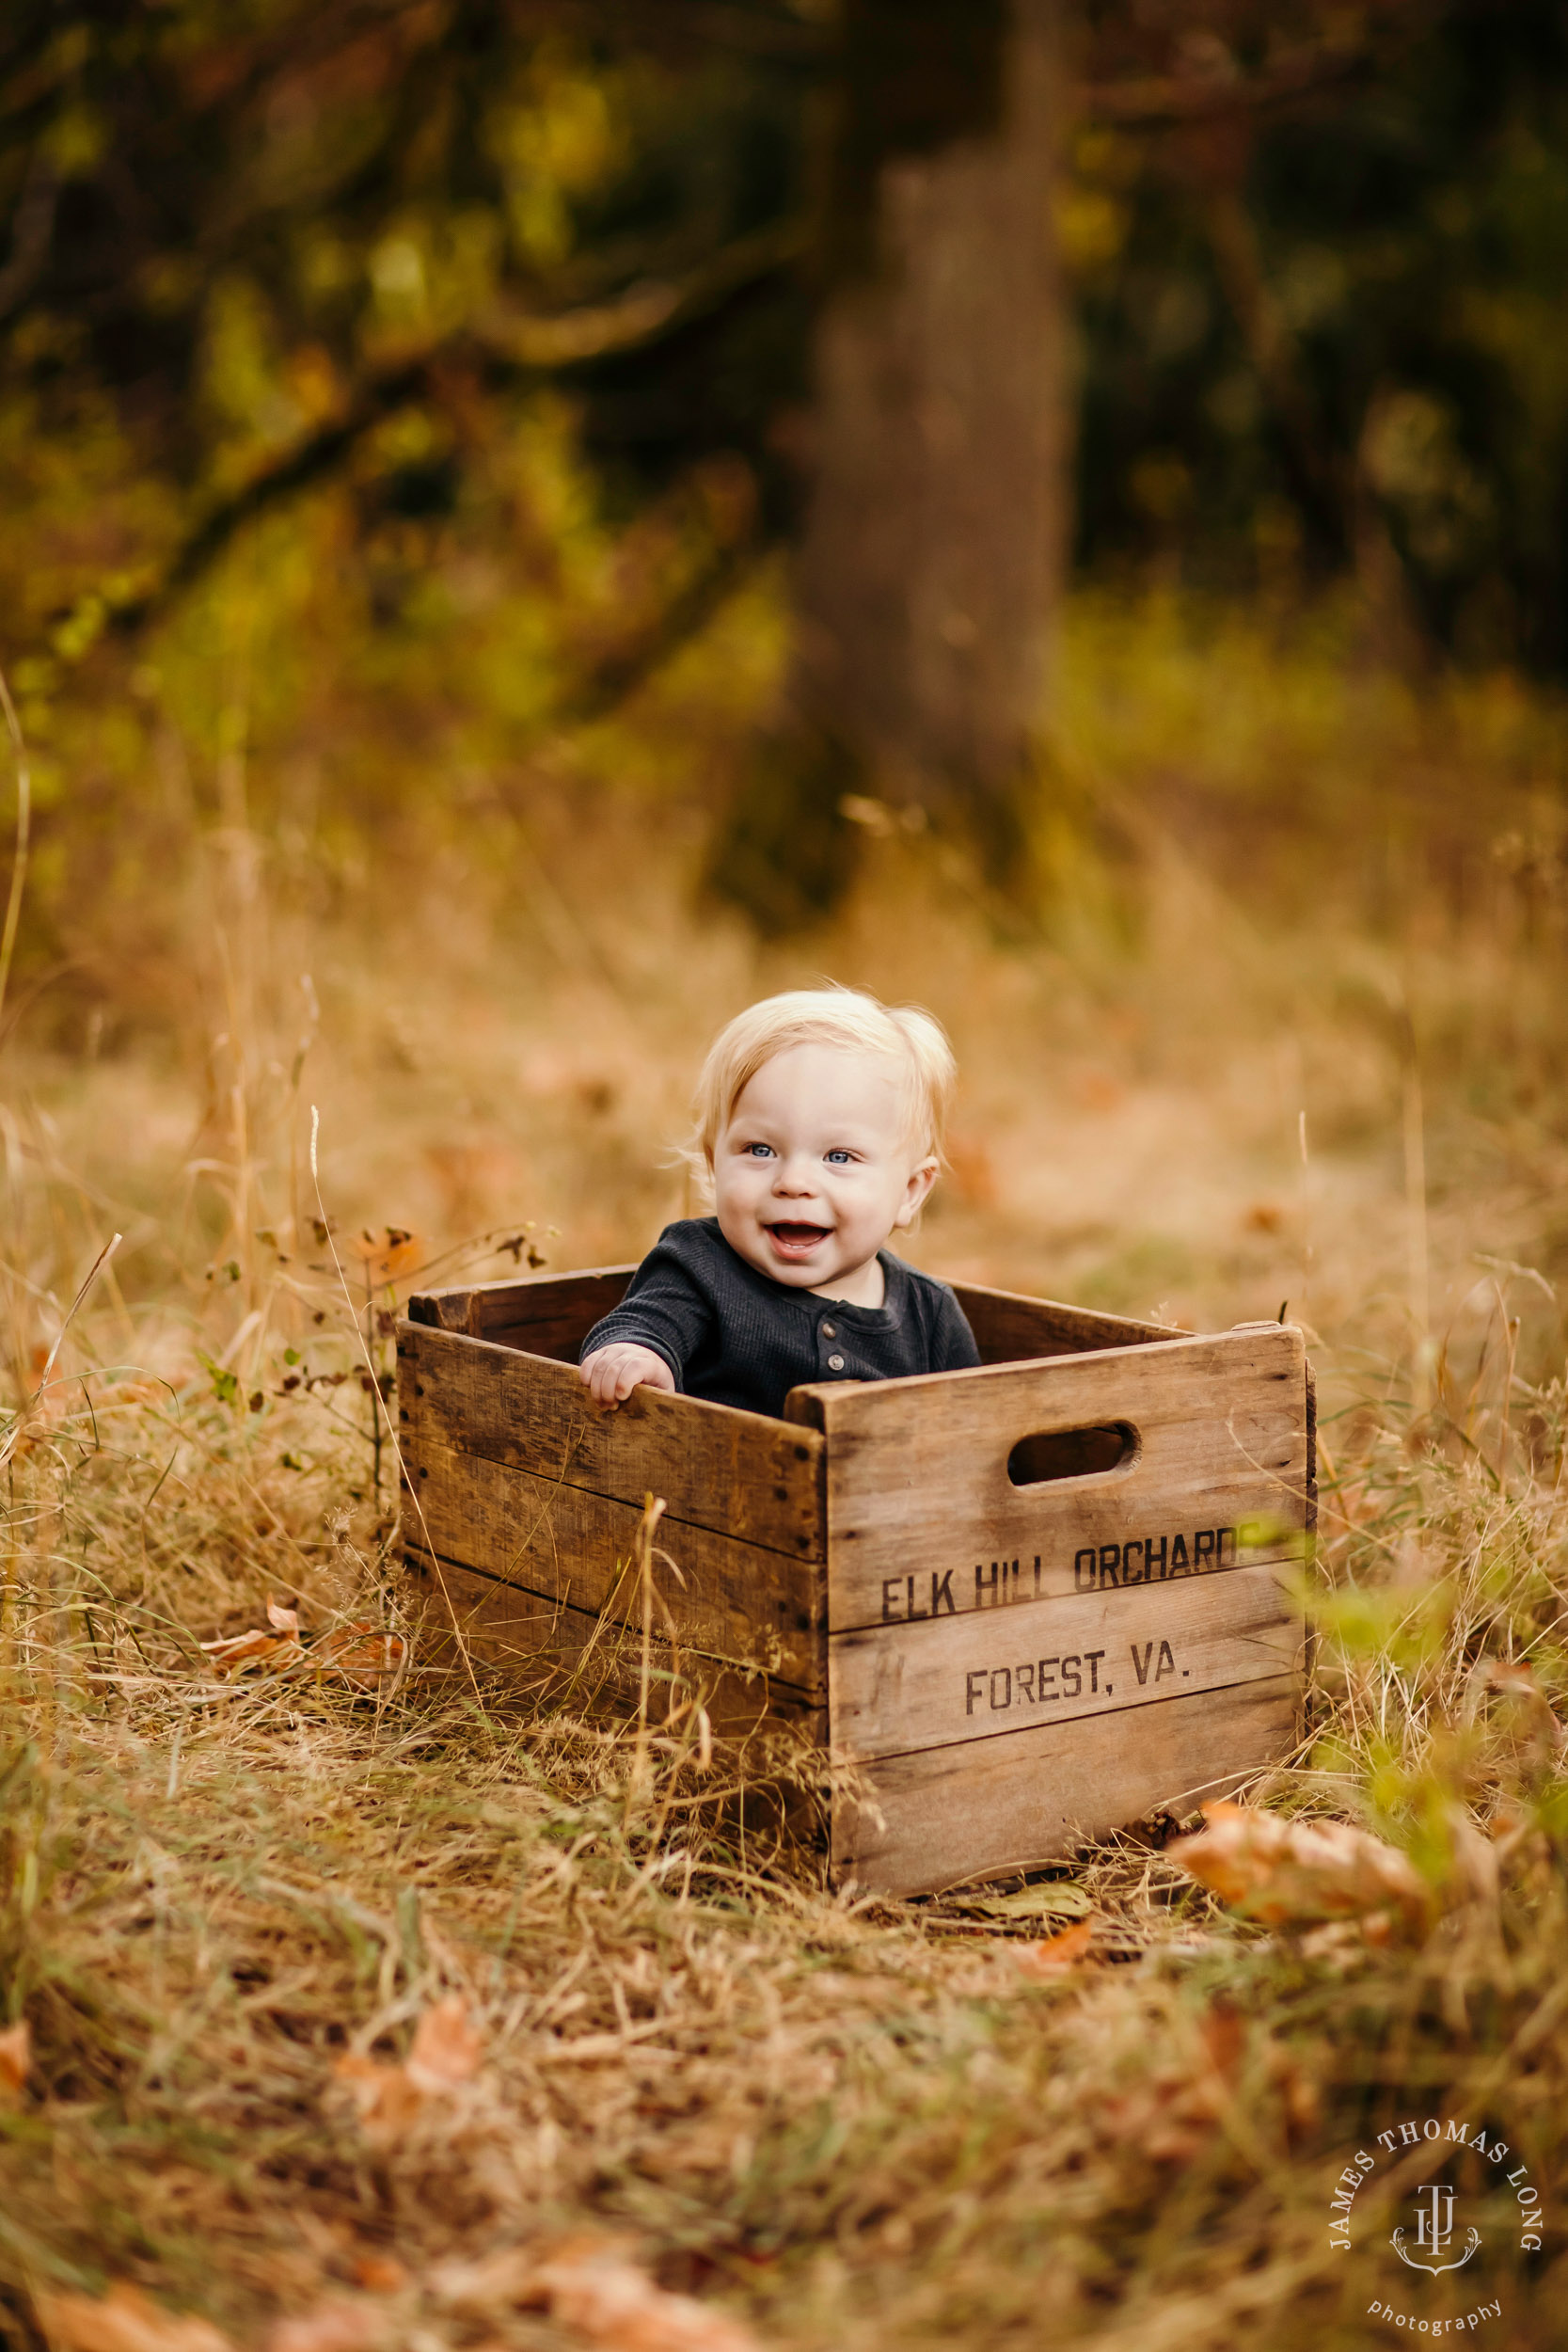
(828, 1331)
(835, 1363)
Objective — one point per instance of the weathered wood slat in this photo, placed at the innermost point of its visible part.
(944, 1815)
(549, 1315)
(981, 1677)
(737, 1603)
(504, 1626)
(1010, 1328)
(740, 1474)
(918, 1486)
(889, 1508)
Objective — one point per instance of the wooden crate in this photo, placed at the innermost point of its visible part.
(1028, 1602)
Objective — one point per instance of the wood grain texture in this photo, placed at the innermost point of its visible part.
(1010, 1328)
(737, 1603)
(918, 1485)
(581, 1660)
(742, 1474)
(549, 1315)
(943, 1814)
(987, 1675)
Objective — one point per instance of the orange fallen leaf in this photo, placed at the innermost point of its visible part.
(1169, 2114)
(1057, 1955)
(446, 2049)
(382, 2273)
(595, 2289)
(125, 2320)
(593, 2286)
(233, 1652)
(16, 2057)
(361, 1653)
(337, 2324)
(444, 2055)
(1280, 1871)
(385, 2100)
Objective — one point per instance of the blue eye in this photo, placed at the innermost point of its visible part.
(759, 1151)
(839, 1154)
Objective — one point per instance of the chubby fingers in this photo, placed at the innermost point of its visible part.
(612, 1372)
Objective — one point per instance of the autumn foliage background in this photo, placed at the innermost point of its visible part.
(405, 431)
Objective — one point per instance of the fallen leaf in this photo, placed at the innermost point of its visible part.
(282, 1620)
(384, 2098)
(16, 2057)
(125, 2320)
(335, 2324)
(1280, 1871)
(446, 2049)
(612, 2302)
(1058, 1901)
(280, 1652)
(1170, 2115)
(444, 2055)
(491, 2283)
(382, 2274)
(362, 1654)
(1058, 1955)
(592, 2284)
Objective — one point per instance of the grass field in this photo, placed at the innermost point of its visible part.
(374, 2009)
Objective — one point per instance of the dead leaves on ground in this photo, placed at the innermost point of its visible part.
(364, 1655)
(443, 2059)
(1058, 1955)
(123, 2320)
(1170, 2113)
(590, 2286)
(1287, 1873)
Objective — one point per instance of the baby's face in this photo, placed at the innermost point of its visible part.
(815, 1167)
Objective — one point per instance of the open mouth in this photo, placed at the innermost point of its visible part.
(794, 1240)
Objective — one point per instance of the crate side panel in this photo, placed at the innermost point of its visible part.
(739, 1474)
(984, 1675)
(576, 1658)
(918, 1485)
(951, 1814)
(548, 1314)
(1009, 1328)
(733, 1601)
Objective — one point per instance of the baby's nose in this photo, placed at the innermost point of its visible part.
(794, 1175)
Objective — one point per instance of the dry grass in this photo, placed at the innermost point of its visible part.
(849, 2123)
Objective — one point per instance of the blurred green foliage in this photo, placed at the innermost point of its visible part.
(1406, 232)
(390, 388)
(242, 239)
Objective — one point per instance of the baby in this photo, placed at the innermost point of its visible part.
(820, 1117)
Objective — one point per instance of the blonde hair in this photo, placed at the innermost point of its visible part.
(829, 1016)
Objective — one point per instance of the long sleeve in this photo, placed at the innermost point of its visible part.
(664, 1308)
(952, 1347)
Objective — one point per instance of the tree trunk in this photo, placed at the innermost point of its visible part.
(927, 579)
(929, 574)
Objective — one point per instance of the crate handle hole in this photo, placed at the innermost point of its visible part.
(1052, 1454)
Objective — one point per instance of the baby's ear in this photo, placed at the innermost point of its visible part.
(917, 1191)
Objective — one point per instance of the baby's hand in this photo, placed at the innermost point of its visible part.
(612, 1372)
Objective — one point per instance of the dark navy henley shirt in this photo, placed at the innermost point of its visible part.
(733, 1337)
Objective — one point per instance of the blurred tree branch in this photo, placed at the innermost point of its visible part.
(505, 339)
